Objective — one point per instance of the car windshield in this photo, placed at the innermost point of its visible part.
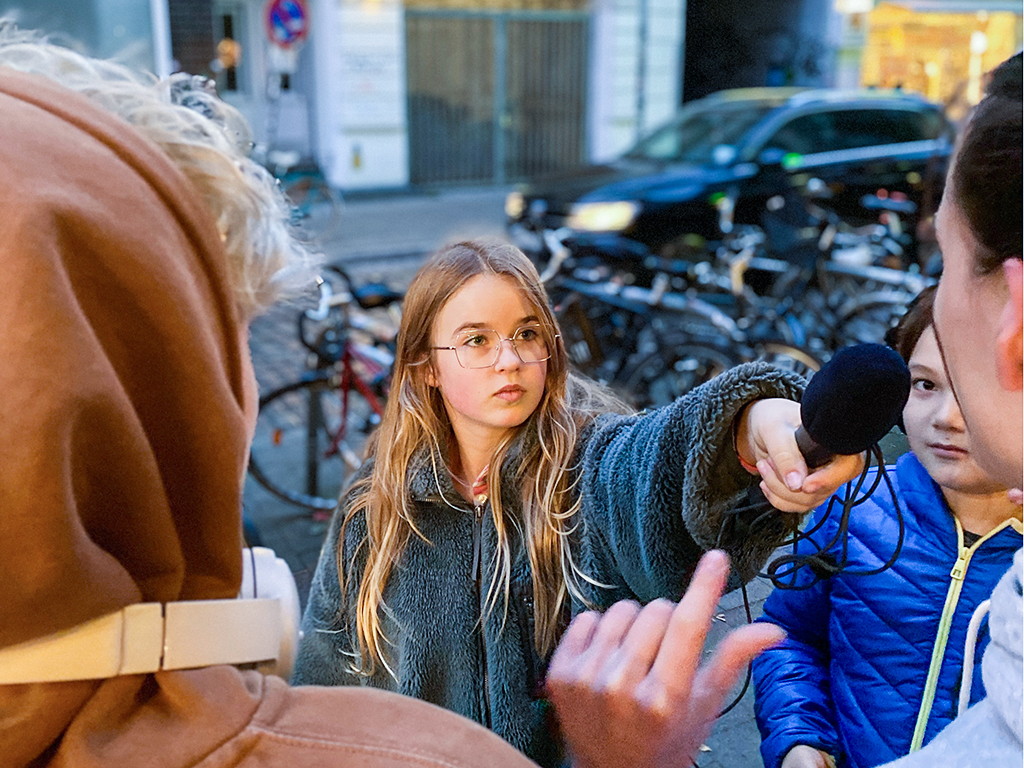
(695, 132)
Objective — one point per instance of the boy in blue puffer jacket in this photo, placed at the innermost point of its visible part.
(872, 666)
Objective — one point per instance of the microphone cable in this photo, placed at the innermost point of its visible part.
(820, 561)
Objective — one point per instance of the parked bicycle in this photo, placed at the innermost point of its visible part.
(819, 286)
(311, 434)
(316, 205)
(651, 344)
(861, 274)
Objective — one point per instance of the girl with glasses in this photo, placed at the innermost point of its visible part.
(503, 494)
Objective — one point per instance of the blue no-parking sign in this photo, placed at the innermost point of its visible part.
(287, 22)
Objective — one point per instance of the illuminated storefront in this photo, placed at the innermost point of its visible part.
(939, 49)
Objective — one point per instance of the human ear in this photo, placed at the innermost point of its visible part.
(428, 373)
(1010, 335)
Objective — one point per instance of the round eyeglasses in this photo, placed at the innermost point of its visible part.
(481, 347)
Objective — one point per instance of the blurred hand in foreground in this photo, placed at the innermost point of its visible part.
(626, 684)
(766, 439)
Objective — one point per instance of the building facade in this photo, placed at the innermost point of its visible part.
(388, 94)
(477, 91)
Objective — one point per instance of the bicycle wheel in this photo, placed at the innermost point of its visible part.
(865, 319)
(304, 451)
(658, 378)
(317, 207)
(582, 345)
(784, 355)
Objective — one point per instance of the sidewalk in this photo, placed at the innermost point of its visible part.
(397, 225)
(386, 238)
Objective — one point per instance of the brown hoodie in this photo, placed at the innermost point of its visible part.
(122, 451)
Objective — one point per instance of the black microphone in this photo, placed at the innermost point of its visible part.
(852, 403)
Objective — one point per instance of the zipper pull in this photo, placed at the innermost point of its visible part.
(959, 567)
(963, 554)
(478, 513)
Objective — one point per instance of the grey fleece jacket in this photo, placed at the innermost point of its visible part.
(654, 488)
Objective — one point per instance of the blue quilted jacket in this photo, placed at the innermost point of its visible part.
(857, 667)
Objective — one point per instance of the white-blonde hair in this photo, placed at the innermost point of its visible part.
(208, 140)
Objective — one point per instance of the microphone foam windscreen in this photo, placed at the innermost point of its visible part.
(856, 398)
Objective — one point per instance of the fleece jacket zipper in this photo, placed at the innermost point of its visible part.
(478, 514)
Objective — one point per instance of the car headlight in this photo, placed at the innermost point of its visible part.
(602, 217)
(515, 204)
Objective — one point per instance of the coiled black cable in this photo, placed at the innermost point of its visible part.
(821, 562)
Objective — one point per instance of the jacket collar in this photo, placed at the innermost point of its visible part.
(430, 481)
(928, 507)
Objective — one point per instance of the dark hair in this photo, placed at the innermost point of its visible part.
(986, 176)
(903, 336)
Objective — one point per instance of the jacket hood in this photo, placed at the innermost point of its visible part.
(1002, 667)
(922, 494)
(121, 422)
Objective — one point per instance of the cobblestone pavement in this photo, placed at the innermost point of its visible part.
(387, 239)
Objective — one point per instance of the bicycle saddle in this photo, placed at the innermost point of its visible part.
(373, 295)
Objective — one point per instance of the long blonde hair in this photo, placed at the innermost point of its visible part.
(415, 420)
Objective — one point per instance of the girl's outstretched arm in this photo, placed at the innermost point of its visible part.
(659, 489)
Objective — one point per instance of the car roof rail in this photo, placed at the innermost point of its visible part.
(780, 94)
(833, 96)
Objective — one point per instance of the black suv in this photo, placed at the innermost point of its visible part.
(743, 146)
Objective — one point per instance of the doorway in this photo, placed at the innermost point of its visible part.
(495, 97)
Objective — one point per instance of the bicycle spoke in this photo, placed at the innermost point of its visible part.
(660, 377)
(303, 450)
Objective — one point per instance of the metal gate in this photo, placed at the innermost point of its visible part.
(495, 97)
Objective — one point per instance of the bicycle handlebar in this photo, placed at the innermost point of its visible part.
(322, 309)
(555, 241)
(876, 203)
(328, 301)
(348, 316)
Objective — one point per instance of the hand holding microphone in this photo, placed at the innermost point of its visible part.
(849, 405)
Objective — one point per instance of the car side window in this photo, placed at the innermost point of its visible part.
(855, 128)
(805, 135)
(933, 125)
